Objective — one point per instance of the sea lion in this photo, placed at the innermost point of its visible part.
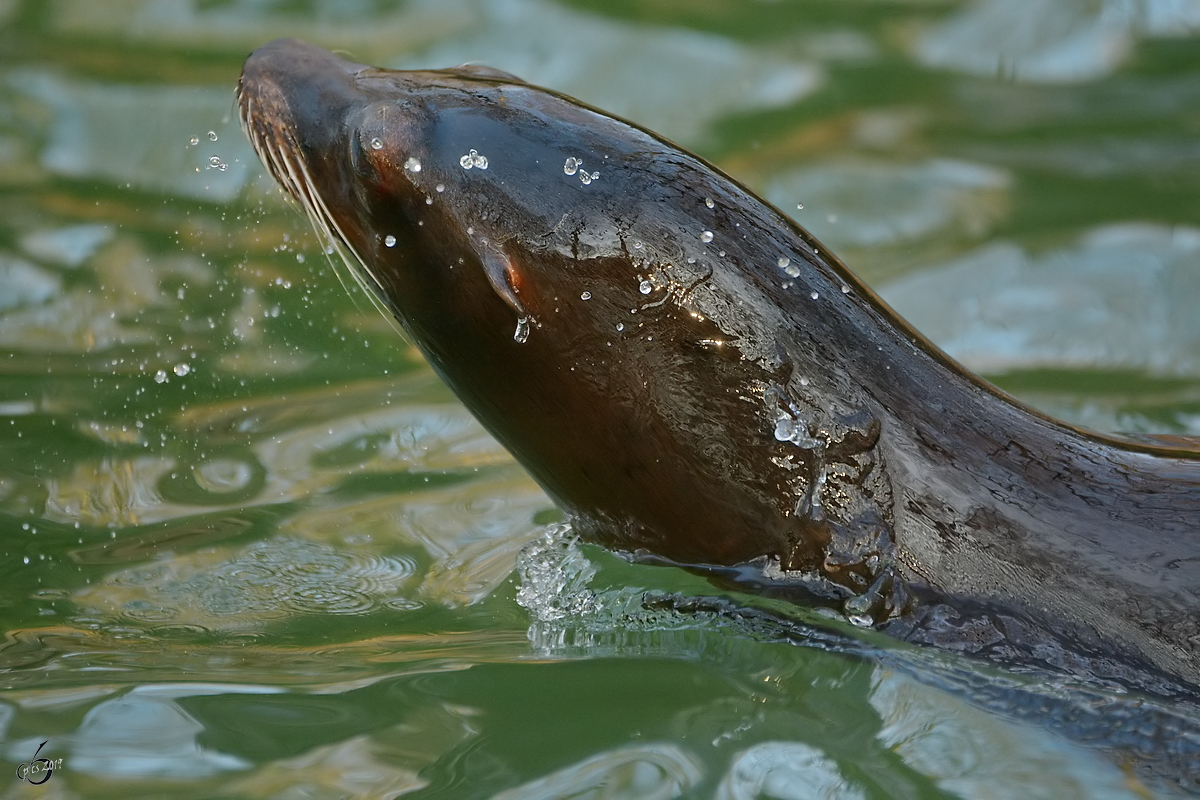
(693, 377)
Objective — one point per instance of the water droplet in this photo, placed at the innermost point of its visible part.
(212, 136)
(389, 240)
(620, 326)
(413, 165)
(182, 369)
(708, 201)
(845, 289)
(428, 201)
(571, 166)
(814, 296)
(706, 237)
(784, 429)
(214, 162)
(195, 140)
(595, 176)
(783, 262)
(376, 143)
(441, 187)
(645, 287)
(473, 159)
(585, 296)
(800, 206)
(160, 376)
(804, 381)
(522, 333)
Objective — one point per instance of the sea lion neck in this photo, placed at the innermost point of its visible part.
(693, 377)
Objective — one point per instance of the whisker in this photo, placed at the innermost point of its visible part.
(281, 158)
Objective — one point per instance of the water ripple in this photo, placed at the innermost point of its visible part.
(267, 580)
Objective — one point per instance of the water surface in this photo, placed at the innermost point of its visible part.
(251, 547)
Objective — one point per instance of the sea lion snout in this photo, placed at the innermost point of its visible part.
(289, 87)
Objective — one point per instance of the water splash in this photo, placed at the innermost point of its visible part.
(554, 577)
(521, 334)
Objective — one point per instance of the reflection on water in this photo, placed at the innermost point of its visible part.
(785, 770)
(249, 546)
(1126, 293)
(1051, 40)
(652, 771)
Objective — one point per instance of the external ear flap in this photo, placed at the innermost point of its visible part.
(504, 279)
(481, 71)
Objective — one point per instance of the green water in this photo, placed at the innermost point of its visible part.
(249, 545)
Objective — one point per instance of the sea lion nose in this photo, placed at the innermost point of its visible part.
(297, 61)
(306, 88)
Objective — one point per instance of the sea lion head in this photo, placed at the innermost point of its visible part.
(567, 274)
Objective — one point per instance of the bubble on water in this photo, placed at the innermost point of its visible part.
(521, 335)
(428, 201)
(571, 166)
(212, 136)
(376, 143)
(783, 262)
(215, 162)
(389, 241)
(814, 296)
(182, 369)
(645, 287)
(473, 160)
(800, 206)
(160, 376)
(585, 296)
(441, 187)
(804, 381)
(708, 201)
(620, 327)
(412, 164)
(845, 289)
(706, 237)
(195, 140)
